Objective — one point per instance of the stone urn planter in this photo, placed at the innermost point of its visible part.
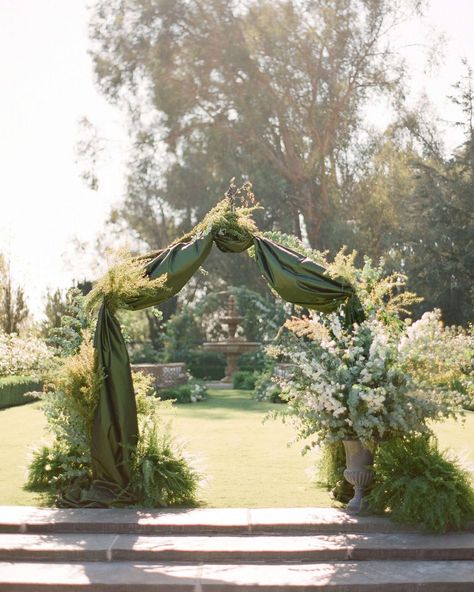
(359, 473)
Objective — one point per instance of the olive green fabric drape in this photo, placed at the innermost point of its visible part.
(294, 277)
(233, 244)
(179, 262)
(115, 430)
(301, 281)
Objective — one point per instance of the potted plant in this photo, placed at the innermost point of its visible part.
(372, 381)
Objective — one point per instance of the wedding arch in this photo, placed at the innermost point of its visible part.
(296, 278)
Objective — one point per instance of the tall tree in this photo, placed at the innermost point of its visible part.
(375, 199)
(271, 90)
(13, 307)
(56, 307)
(414, 205)
(442, 212)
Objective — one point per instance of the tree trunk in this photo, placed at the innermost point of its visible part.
(313, 214)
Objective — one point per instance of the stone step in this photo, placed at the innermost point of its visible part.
(228, 521)
(236, 549)
(365, 576)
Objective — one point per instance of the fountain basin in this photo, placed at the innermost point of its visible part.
(230, 347)
(234, 346)
(232, 350)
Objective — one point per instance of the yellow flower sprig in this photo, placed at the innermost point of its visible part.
(307, 327)
(227, 218)
(124, 282)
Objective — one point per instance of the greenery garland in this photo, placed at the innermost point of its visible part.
(226, 218)
(127, 278)
(161, 474)
(123, 282)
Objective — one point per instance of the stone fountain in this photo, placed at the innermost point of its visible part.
(233, 346)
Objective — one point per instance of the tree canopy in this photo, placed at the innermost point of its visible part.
(278, 93)
(269, 90)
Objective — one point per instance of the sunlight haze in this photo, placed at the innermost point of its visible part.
(47, 87)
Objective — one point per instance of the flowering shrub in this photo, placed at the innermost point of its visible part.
(198, 391)
(441, 359)
(379, 379)
(27, 356)
(366, 383)
(191, 392)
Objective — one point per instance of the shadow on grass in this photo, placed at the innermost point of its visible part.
(232, 401)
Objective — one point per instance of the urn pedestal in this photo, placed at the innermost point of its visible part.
(359, 473)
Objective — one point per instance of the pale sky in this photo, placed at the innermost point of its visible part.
(47, 87)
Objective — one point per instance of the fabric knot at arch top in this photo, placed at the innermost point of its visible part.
(296, 278)
(229, 242)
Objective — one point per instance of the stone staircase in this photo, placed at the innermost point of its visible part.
(203, 550)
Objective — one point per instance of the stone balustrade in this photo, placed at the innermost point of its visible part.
(165, 375)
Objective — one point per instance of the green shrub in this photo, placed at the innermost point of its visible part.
(14, 390)
(266, 389)
(418, 485)
(143, 353)
(53, 469)
(161, 474)
(206, 365)
(331, 467)
(191, 392)
(72, 395)
(244, 380)
(252, 362)
(69, 403)
(182, 335)
(67, 338)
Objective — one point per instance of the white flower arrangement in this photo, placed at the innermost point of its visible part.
(376, 380)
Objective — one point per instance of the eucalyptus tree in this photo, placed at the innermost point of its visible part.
(274, 91)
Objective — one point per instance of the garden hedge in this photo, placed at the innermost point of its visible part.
(14, 388)
(206, 365)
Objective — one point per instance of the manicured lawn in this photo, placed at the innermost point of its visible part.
(21, 429)
(247, 463)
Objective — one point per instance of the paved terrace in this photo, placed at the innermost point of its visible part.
(226, 549)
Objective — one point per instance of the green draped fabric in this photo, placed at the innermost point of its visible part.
(179, 262)
(301, 281)
(233, 244)
(115, 430)
(294, 277)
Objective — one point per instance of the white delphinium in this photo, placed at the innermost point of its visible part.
(371, 382)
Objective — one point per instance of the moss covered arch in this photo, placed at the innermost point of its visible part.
(157, 277)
